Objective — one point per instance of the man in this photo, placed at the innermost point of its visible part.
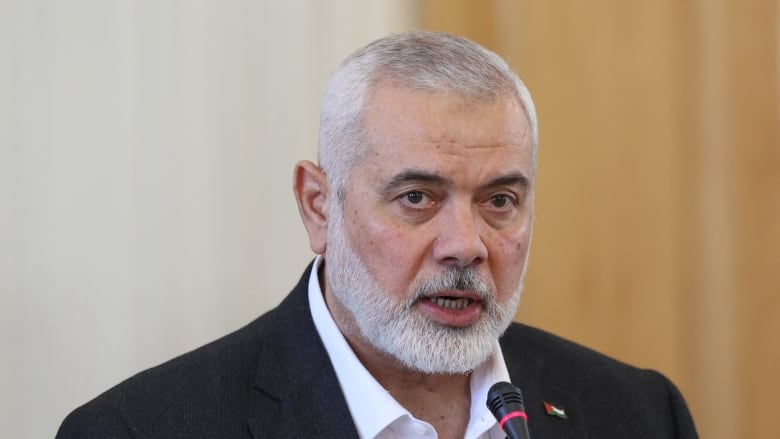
(421, 214)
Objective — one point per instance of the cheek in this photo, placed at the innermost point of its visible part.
(508, 259)
(513, 246)
(388, 253)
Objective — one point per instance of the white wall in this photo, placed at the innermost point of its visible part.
(146, 150)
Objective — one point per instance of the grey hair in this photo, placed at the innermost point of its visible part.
(418, 60)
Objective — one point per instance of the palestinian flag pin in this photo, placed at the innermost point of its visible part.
(554, 410)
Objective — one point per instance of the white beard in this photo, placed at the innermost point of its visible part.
(396, 329)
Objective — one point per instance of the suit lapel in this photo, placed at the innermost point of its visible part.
(529, 372)
(297, 392)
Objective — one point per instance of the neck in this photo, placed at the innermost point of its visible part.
(442, 400)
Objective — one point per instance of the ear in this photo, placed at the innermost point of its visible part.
(312, 194)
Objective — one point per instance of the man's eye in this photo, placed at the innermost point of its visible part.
(415, 197)
(500, 200)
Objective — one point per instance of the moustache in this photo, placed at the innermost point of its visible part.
(453, 278)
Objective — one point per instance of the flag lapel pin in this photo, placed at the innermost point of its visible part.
(555, 410)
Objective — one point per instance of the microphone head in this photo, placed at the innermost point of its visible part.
(503, 398)
(506, 403)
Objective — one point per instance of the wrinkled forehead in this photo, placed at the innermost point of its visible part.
(393, 114)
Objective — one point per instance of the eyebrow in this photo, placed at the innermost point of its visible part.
(413, 175)
(511, 179)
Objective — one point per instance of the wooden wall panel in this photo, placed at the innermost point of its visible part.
(658, 204)
(749, 43)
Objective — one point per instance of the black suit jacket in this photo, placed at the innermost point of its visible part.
(273, 378)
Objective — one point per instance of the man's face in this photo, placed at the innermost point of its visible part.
(428, 249)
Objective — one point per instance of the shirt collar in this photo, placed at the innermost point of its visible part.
(372, 407)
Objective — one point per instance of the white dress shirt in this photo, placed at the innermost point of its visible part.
(376, 414)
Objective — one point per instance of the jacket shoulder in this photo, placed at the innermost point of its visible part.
(608, 394)
(213, 381)
(208, 392)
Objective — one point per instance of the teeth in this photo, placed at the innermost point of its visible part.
(451, 303)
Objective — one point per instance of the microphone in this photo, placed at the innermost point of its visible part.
(506, 403)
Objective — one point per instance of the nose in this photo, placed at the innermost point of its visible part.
(459, 241)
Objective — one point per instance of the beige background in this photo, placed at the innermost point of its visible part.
(146, 149)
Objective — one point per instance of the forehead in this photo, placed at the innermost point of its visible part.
(436, 129)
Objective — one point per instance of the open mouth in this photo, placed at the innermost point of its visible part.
(451, 302)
